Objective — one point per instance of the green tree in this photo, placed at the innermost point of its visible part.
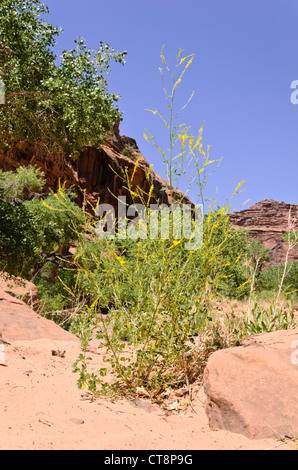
(259, 254)
(53, 106)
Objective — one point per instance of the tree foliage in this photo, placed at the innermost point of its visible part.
(271, 276)
(21, 185)
(29, 226)
(55, 106)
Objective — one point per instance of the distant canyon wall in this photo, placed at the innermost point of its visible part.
(268, 222)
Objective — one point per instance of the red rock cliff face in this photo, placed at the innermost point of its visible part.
(268, 221)
(95, 172)
(53, 166)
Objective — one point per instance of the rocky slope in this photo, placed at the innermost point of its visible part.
(98, 172)
(268, 221)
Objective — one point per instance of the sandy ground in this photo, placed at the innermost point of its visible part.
(42, 408)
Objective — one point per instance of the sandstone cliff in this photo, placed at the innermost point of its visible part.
(268, 221)
(95, 171)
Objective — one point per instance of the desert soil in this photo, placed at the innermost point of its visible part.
(42, 408)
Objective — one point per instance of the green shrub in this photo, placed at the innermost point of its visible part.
(58, 218)
(30, 229)
(20, 239)
(151, 298)
(129, 152)
(274, 318)
(22, 184)
(270, 278)
(231, 264)
(54, 284)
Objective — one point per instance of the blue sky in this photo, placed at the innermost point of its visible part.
(245, 60)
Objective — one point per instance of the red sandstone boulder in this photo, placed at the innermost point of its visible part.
(253, 389)
(18, 322)
(21, 289)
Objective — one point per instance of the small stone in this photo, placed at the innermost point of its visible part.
(76, 421)
(44, 421)
(58, 353)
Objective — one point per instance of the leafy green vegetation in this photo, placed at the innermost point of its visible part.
(129, 152)
(21, 185)
(151, 299)
(55, 106)
(270, 278)
(266, 320)
(28, 229)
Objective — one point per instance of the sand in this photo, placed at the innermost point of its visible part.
(43, 408)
